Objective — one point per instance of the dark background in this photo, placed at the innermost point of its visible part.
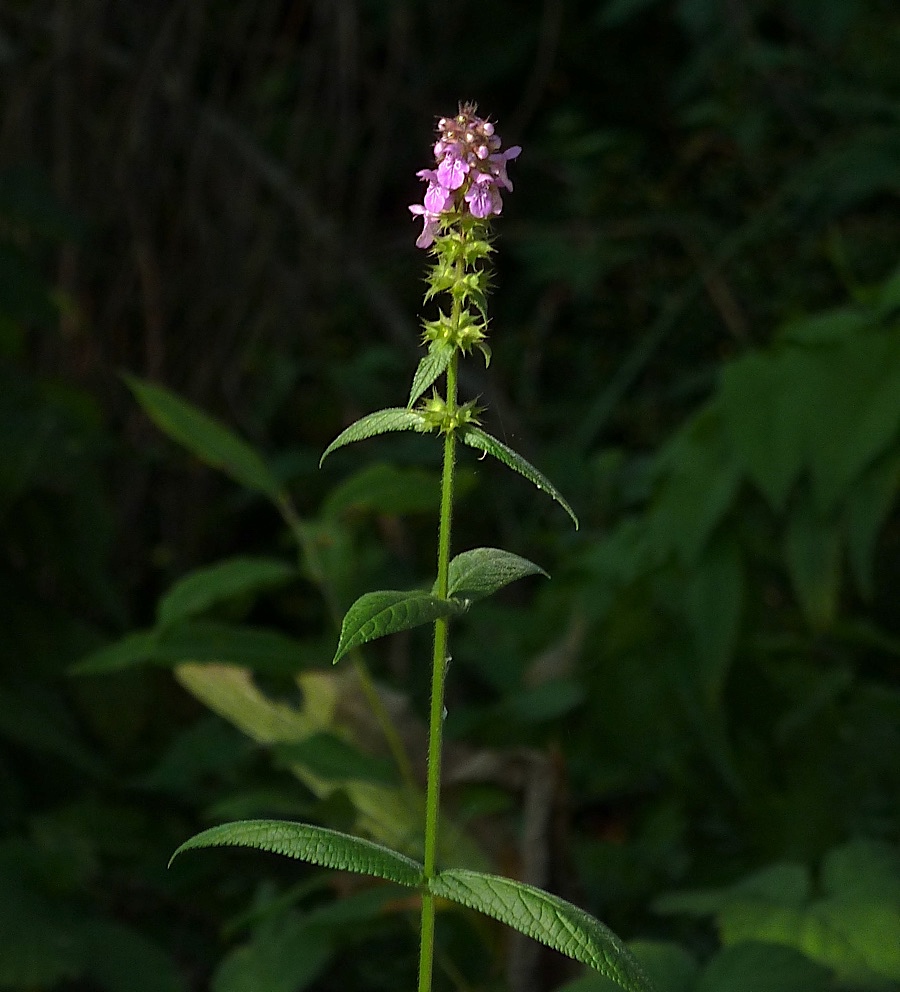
(695, 335)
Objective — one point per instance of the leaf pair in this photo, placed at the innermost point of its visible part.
(405, 419)
(472, 576)
(536, 913)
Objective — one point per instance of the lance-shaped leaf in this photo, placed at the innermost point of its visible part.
(394, 418)
(433, 365)
(546, 918)
(482, 571)
(317, 845)
(387, 612)
(209, 440)
(197, 592)
(478, 439)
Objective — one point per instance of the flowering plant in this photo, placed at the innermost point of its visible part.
(462, 196)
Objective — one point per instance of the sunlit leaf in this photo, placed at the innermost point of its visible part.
(546, 918)
(317, 845)
(431, 367)
(380, 422)
(376, 614)
(478, 439)
(208, 439)
(482, 571)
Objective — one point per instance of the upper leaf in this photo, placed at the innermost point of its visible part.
(318, 845)
(196, 592)
(388, 611)
(546, 918)
(477, 438)
(431, 367)
(209, 440)
(482, 571)
(381, 422)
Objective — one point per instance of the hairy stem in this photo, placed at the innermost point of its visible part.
(439, 670)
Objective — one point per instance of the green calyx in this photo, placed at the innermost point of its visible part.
(440, 417)
(465, 333)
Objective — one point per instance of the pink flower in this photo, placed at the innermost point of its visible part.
(470, 172)
(426, 238)
(483, 197)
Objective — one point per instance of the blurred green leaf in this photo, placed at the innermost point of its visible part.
(284, 955)
(384, 488)
(753, 966)
(203, 588)
(200, 641)
(812, 547)
(208, 439)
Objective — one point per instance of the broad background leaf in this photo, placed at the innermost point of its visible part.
(205, 587)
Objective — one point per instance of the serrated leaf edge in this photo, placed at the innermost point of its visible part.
(359, 430)
(476, 438)
(449, 608)
(410, 873)
(636, 980)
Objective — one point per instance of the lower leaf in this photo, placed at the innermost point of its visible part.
(546, 918)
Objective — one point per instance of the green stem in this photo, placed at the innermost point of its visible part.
(439, 671)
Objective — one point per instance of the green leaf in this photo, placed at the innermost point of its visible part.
(380, 422)
(546, 918)
(208, 439)
(120, 959)
(752, 966)
(713, 598)
(699, 488)
(37, 949)
(867, 506)
(431, 367)
(765, 420)
(669, 966)
(812, 546)
(317, 845)
(382, 488)
(205, 587)
(201, 640)
(284, 955)
(387, 612)
(476, 438)
(481, 572)
(864, 868)
(616, 12)
(329, 757)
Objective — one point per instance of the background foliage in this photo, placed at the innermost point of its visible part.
(692, 730)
